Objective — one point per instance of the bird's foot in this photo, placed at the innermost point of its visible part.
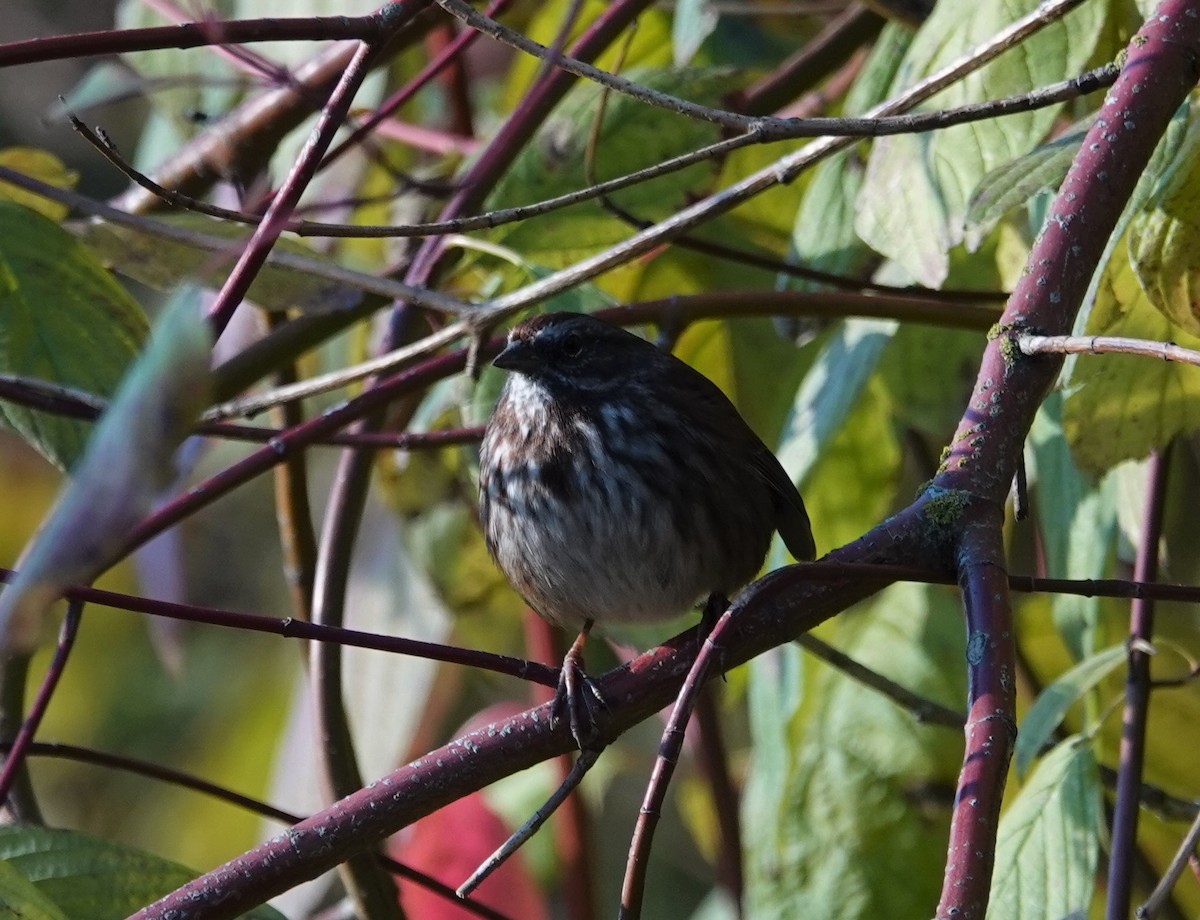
(578, 699)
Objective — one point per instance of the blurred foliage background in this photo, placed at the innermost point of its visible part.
(845, 797)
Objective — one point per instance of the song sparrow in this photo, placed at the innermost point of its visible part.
(617, 484)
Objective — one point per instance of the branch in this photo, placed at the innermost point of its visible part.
(1137, 701)
(774, 610)
(1105, 344)
(1160, 70)
(197, 35)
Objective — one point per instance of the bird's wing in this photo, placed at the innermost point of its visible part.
(792, 521)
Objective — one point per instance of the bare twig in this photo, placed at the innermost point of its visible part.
(922, 708)
(193, 35)
(15, 761)
(583, 763)
(664, 768)
(1105, 344)
(775, 128)
(290, 627)
(1162, 891)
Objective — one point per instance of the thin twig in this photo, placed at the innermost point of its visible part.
(1162, 891)
(1137, 698)
(192, 35)
(254, 256)
(1105, 344)
(637, 863)
(291, 628)
(72, 403)
(15, 761)
(520, 837)
(788, 128)
(922, 708)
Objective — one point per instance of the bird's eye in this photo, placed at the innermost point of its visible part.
(572, 345)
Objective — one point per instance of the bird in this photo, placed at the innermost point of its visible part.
(617, 484)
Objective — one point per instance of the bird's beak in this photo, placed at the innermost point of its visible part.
(517, 356)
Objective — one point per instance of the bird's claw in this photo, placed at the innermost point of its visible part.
(579, 702)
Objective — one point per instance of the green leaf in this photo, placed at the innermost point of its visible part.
(129, 462)
(919, 354)
(1053, 702)
(693, 22)
(41, 165)
(1012, 184)
(20, 899)
(1164, 241)
(829, 391)
(1120, 407)
(86, 878)
(1048, 840)
(837, 762)
(824, 237)
(915, 196)
(160, 262)
(1078, 523)
(63, 319)
(853, 485)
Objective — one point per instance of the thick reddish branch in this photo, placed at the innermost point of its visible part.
(1161, 68)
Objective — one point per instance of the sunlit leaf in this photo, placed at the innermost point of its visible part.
(128, 463)
(62, 319)
(1120, 407)
(87, 878)
(20, 899)
(1078, 523)
(1164, 241)
(1053, 702)
(41, 165)
(1048, 841)
(829, 391)
(917, 186)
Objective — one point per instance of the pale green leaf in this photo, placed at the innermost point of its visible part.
(1120, 407)
(1077, 517)
(1052, 703)
(693, 22)
(88, 878)
(62, 319)
(824, 237)
(1048, 841)
(853, 485)
(918, 355)
(829, 391)
(128, 463)
(915, 196)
